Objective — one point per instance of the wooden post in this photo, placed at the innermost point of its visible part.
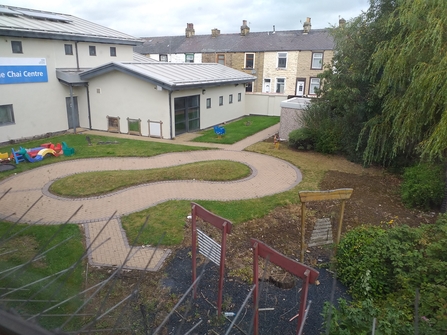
(303, 230)
(340, 221)
(194, 248)
(256, 290)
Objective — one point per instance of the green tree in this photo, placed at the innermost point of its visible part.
(412, 65)
(348, 98)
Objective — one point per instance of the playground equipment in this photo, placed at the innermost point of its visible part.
(37, 154)
(219, 131)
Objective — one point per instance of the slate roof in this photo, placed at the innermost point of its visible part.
(24, 22)
(290, 40)
(175, 76)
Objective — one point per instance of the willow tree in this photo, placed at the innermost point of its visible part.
(412, 65)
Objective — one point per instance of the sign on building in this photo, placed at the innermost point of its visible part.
(23, 70)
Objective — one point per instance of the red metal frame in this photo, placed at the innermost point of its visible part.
(307, 274)
(220, 223)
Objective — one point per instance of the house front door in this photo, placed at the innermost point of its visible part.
(300, 88)
(266, 86)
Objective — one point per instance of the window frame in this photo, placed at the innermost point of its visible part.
(208, 103)
(186, 58)
(161, 58)
(313, 85)
(239, 97)
(221, 100)
(283, 85)
(285, 63)
(17, 47)
(92, 50)
(68, 48)
(314, 59)
(9, 115)
(112, 51)
(230, 99)
(253, 60)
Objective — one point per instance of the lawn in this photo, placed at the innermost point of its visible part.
(23, 247)
(101, 182)
(170, 216)
(117, 148)
(238, 130)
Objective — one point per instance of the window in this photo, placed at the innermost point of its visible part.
(163, 58)
(16, 47)
(6, 115)
(249, 61)
(113, 51)
(208, 102)
(92, 50)
(280, 85)
(314, 84)
(317, 60)
(221, 59)
(239, 96)
(221, 100)
(68, 49)
(189, 58)
(282, 60)
(249, 87)
(230, 99)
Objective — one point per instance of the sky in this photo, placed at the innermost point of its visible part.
(146, 18)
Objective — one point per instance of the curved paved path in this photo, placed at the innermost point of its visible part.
(270, 176)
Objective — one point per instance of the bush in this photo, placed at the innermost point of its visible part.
(301, 139)
(423, 186)
(383, 267)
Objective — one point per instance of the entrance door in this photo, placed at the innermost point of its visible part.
(73, 118)
(300, 84)
(187, 114)
(266, 88)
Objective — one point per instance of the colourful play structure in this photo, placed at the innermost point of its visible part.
(37, 154)
(219, 131)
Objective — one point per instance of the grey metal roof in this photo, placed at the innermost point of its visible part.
(142, 59)
(24, 22)
(175, 76)
(290, 40)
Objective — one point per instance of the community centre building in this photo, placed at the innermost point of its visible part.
(60, 72)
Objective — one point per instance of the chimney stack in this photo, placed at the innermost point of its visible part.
(307, 26)
(189, 31)
(244, 28)
(215, 32)
(341, 22)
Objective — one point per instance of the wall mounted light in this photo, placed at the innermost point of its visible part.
(203, 91)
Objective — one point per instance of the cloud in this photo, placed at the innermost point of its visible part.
(143, 18)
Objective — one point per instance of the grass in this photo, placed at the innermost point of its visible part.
(238, 130)
(26, 244)
(170, 217)
(124, 148)
(97, 183)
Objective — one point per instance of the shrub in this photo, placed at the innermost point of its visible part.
(301, 138)
(423, 186)
(383, 267)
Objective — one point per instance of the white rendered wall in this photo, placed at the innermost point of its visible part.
(40, 108)
(124, 96)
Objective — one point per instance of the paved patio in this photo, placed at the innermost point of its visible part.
(270, 176)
